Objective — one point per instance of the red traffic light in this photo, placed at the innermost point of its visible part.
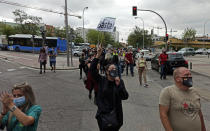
(134, 9)
(166, 35)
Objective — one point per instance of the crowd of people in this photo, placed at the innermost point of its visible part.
(179, 104)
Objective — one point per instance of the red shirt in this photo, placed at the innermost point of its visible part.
(163, 58)
(129, 57)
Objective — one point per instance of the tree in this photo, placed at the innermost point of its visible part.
(6, 29)
(189, 34)
(28, 24)
(135, 38)
(78, 39)
(94, 37)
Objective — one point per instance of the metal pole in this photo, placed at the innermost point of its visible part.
(162, 20)
(67, 31)
(83, 32)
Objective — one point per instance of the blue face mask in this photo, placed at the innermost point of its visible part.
(19, 101)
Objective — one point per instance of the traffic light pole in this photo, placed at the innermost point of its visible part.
(166, 46)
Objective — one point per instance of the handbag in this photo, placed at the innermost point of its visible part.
(109, 120)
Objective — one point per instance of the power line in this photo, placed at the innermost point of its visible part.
(36, 8)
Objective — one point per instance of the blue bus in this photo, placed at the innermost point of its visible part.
(23, 42)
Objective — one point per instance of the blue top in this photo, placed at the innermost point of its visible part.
(15, 125)
(53, 56)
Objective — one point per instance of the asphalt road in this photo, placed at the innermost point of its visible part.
(66, 106)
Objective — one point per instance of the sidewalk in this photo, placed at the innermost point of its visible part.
(31, 60)
(200, 64)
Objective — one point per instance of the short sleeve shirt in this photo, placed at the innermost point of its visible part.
(15, 125)
(184, 107)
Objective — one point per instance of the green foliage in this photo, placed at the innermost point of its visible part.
(27, 24)
(78, 39)
(189, 34)
(6, 29)
(135, 38)
(105, 38)
(60, 32)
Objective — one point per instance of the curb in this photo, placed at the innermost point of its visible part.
(199, 73)
(73, 68)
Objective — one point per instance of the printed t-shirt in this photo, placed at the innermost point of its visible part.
(184, 107)
(129, 57)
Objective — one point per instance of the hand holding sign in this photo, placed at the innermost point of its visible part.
(99, 51)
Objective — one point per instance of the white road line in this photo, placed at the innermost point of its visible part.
(22, 67)
(11, 70)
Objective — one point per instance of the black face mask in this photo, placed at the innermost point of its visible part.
(187, 81)
(113, 73)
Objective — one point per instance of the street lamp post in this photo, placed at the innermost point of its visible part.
(83, 30)
(143, 30)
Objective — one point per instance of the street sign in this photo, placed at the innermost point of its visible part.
(106, 24)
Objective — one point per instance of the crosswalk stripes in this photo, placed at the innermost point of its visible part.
(11, 70)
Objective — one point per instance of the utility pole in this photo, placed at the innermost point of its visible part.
(67, 32)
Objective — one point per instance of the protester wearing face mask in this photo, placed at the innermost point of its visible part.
(162, 63)
(20, 112)
(179, 104)
(111, 92)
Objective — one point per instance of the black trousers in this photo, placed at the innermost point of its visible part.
(43, 64)
(107, 129)
(82, 67)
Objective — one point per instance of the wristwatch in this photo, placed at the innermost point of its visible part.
(13, 109)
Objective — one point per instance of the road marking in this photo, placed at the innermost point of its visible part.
(0, 72)
(22, 67)
(11, 70)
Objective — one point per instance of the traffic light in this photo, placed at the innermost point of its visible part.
(134, 10)
(166, 37)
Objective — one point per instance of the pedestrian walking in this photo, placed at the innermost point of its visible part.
(142, 66)
(111, 92)
(163, 64)
(82, 65)
(42, 59)
(116, 62)
(20, 112)
(129, 62)
(179, 104)
(52, 58)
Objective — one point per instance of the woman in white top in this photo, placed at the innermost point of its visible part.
(142, 65)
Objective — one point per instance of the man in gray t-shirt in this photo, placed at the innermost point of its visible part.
(179, 104)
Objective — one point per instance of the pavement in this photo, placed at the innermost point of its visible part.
(200, 63)
(31, 60)
(66, 107)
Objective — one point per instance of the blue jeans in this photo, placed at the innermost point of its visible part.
(131, 68)
(163, 71)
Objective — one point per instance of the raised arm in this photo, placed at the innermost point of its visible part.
(93, 67)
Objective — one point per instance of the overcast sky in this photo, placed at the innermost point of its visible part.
(178, 14)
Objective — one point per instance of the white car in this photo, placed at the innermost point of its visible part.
(77, 52)
(147, 55)
(208, 51)
(201, 51)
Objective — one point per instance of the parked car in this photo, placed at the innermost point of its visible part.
(174, 60)
(187, 51)
(202, 51)
(147, 55)
(77, 52)
(208, 51)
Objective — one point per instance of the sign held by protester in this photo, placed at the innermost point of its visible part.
(106, 24)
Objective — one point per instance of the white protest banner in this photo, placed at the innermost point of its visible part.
(106, 24)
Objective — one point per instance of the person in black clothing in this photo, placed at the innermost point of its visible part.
(82, 65)
(111, 92)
